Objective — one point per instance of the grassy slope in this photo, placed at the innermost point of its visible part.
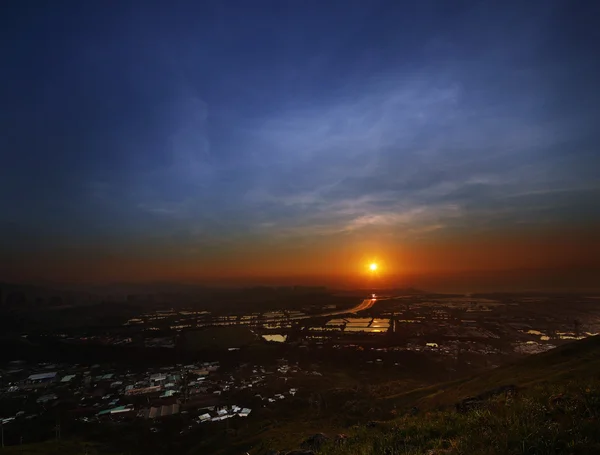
(528, 425)
(557, 411)
(575, 360)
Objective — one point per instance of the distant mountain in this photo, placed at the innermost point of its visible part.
(21, 296)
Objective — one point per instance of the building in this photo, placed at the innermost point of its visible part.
(41, 378)
(161, 411)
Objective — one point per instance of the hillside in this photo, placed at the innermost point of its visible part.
(572, 361)
(556, 418)
(552, 406)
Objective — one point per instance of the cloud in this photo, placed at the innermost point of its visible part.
(417, 155)
(472, 119)
(382, 157)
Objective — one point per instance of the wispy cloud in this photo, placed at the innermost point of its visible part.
(470, 128)
(415, 155)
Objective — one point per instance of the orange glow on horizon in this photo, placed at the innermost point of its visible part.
(332, 260)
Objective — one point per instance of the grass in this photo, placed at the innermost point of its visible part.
(547, 419)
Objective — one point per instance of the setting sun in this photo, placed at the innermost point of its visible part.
(373, 267)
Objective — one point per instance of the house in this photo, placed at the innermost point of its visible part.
(162, 411)
(42, 377)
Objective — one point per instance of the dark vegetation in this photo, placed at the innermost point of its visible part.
(549, 418)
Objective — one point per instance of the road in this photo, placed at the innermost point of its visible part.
(364, 305)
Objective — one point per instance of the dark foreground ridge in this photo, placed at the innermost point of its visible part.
(546, 404)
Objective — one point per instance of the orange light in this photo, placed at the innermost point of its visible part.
(373, 266)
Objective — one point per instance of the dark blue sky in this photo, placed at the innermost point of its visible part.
(196, 125)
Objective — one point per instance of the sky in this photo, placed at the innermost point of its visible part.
(221, 139)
